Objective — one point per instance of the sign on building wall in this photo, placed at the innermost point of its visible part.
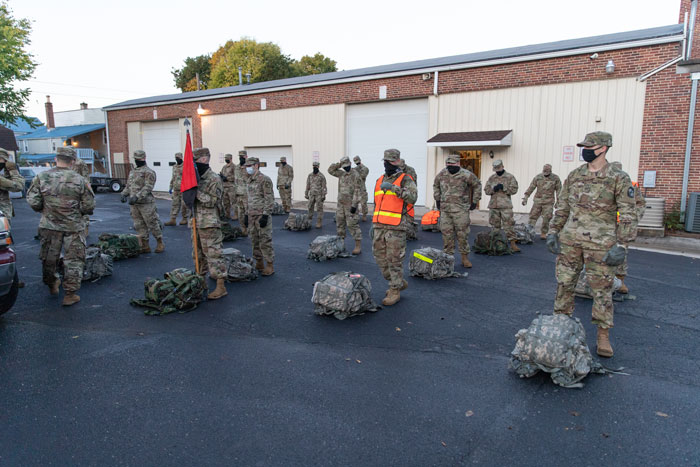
(567, 154)
(315, 156)
(649, 179)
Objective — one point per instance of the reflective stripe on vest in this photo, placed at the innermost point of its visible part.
(388, 207)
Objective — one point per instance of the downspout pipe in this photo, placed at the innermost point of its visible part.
(691, 114)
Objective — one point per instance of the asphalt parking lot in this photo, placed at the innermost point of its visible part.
(256, 378)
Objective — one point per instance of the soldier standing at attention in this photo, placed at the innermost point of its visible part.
(585, 215)
(139, 193)
(82, 169)
(363, 172)
(348, 199)
(261, 199)
(10, 180)
(228, 176)
(177, 203)
(500, 187)
(547, 185)
(241, 199)
(456, 192)
(316, 193)
(209, 236)
(394, 195)
(285, 175)
(62, 197)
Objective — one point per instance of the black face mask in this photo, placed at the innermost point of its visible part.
(140, 163)
(228, 161)
(588, 155)
(315, 170)
(453, 169)
(202, 168)
(241, 160)
(390, 169)
(178, 161)
(346, 168)
(283, 164)
(500, 172)
(2, 166)
(547, 175)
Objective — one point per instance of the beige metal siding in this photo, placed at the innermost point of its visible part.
(135, 136)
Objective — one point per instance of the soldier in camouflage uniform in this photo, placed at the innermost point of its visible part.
(316, 193)
(388, 236)
(62, 197)
(139, 194)
(547, 185)
(500, 187)
(261, 199)
(456, 192)
(241, 198)
(408, 170)
(82, 169)
(177, 204)
(585, 215)
(285, 175)
(349, 192)
(228, 176)
(363, 172)
(10, 180)
(206, 214)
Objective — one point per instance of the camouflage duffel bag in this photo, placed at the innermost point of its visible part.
(238, 267)
(412, 231)
(583, 289)
(119, 246)
(493, 243)
(297, 222)
(431, 221)
(524, 233)
(181, 290)
(343, 294)
(278, 210)
(431, 263)
(326, 247)
(97, 264)
(230, 232)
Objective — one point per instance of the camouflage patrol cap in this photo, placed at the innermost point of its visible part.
(243, 153)
(596, 138)
(178, 155)
(251, 161)
(344, 161)
(66, 152)
(497, 163)
(452, 159)
(139, 155)
(283, 159)
(547, 167)
(4, 155)
(201, 152)
(228, 156)
(392, 155)
(316, 164)
(356, 159)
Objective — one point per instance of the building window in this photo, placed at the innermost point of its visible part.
(53, 146)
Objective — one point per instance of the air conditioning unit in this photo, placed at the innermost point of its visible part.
(692, 214)
(653, 217)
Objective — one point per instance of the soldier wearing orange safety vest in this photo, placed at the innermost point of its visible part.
(394, 195)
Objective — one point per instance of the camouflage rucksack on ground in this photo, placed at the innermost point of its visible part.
(97, 264)
(343, 294)
(119, 246)
(524, 233)
(493, 243)
(180, 290)
(297, 222)
(431, 263)
(278, 210)
(238, 267)
(326, 247)
(412, 231)
(230, 232)
(584, 290)
(431, 221)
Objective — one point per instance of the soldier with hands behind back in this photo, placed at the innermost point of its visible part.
(316, 190)
(177, 204)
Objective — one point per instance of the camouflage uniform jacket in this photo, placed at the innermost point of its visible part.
(546, 188)
(587, 208)
(176, 179)
(261, 197)
(82, 169)
(316, 185)
(229, 171)
(62, 197)
(10, 180)
(209, 192)
(349, 189)
(409, 193)
(285, 175)
(241, 179)
(362, 171)
(456, 192)
(139, 185)
(501, 199)
(640, 202)
(408, 170)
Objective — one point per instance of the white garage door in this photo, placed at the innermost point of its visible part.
(269, 157)
(161, 140)
(372, 128)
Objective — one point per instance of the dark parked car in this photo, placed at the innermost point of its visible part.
(9, 282)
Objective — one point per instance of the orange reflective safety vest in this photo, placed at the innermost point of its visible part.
(388, 207)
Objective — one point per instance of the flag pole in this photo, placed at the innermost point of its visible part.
(188, 188)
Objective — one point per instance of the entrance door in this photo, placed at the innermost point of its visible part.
(471, 160)
(161, 140)
(269, 161)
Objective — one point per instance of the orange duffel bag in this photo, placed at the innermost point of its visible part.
(431, 221)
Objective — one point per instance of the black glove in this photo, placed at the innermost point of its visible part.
(437, 203)
(223, 178)
(287, 187)
(553, 244)
(132, 200)
(263, 221)
(245, 220)
(615, 255)
(498, 187)
(353, 210)
(123, 198)
(472, 207)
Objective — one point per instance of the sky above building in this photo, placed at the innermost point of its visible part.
(102, 53)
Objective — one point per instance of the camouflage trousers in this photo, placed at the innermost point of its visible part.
(209, 252)
(502, 219)
(146, 220)
(240, 206)
(451, 224)
(344, 218)
(362, 207)
(261, 238)
(389, 250)
(228, 200)
(286, 197)
(178, 205)
(7, 209)
(621, 270)
(541, 209)
(570, 262)
(73, 246)
(316, 205)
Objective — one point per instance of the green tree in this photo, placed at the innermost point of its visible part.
(263, 60)
(16, 65)
(186, 77)
(315, 65)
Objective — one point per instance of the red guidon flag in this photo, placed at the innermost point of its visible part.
(190, 177)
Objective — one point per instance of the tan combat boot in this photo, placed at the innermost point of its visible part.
(514, 248)
(543, 236)
(160, 247)
(183, 221)
(392, 296)
(465, 261)
(244, 230)
(219, 291)
(171, 222)
(623, 288)
(145, 247)
(358, 247)
(404, 285)
(604, 349)
(55, 288)
(269, 269)
(318, 222)
(70, 298)
(364, 217)
(259, 265)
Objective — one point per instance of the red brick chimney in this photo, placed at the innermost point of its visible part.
(49, 113)
(83, 105)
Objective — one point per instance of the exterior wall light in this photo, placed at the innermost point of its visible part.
(610, 67)
(200, 110)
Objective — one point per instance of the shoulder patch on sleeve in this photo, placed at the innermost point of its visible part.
(630, 192)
